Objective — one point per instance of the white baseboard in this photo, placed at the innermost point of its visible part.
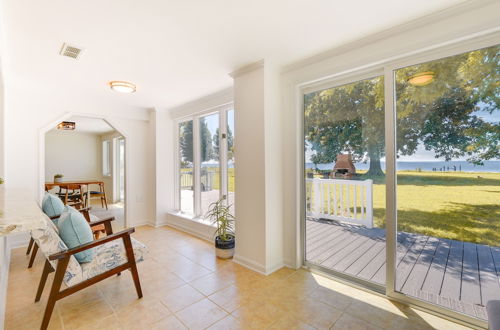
(250, 264)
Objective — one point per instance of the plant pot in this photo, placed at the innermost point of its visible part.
(58, 180)
(224, 249)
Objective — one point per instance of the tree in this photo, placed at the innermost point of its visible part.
(230, 143)
(186, 142)
(443, 115)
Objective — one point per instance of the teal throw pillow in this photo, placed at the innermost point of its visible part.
(74, 230)
(52, 206)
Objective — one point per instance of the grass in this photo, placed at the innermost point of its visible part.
(453, 205)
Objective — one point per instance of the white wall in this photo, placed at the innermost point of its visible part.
(76, 155)
(471, 19)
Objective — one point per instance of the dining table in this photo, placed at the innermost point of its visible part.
(83, 183)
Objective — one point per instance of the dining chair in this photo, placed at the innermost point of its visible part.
(71, 194)
(101, 194)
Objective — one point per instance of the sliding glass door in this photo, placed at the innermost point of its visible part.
(345, 179)
(448, 181)
(401, 182)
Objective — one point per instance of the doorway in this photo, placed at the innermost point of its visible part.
(87, 155)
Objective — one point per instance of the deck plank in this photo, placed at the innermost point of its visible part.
(406, 265)
(456, 275)
(326, 245)
(490, 289)
(417, 275)
(435, 276)
(453, 274)
(368, 256)
(471, 290)
(405, 242)
(335, 246)
(346, 251)
(315, 240)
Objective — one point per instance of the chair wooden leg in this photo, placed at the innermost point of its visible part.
(133, 268)
(105, 201)
(47, 269)
(30, 245)
(33, 255)
(62, 264)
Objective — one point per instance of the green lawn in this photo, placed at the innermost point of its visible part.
(454, 205)
(216, 183)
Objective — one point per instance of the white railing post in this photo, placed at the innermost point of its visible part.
(317, 196)
(369, 203)
(320, 196)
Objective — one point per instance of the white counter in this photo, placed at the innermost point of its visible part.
(19, 212)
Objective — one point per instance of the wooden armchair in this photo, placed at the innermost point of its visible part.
(100, 226)
(76, 276)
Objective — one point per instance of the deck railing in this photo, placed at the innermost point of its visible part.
(343, 200)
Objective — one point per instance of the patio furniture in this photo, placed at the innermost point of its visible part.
(113, 254)
(493, 310)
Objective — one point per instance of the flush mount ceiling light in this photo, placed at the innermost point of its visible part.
(66, 125)
(422, 78)
(122, 86)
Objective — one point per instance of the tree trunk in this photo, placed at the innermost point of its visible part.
(375, 168)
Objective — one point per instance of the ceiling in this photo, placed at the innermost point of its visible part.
(89, 125)
(176, 51)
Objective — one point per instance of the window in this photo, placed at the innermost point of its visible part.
(186, 169)
(206, 165)
(106, 158)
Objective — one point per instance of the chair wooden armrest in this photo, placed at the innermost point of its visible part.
(83, 247)
(106, 222)
(101, 221)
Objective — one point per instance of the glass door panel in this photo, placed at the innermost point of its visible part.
(186, 170)
(345, 180)
(209, 158)
(448, 181)
(230, 160)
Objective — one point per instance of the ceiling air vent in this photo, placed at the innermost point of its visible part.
(71, 51)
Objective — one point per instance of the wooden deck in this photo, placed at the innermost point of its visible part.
(458, 275)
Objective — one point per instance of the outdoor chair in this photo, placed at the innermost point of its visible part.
(113, 254)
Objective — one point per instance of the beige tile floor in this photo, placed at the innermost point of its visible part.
(186, 286)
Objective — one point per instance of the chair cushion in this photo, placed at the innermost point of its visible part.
(49, 243)
(52, 206)
(111, 255)
(74, 230)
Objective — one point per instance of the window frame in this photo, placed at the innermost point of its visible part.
(223, 179)
(107, 157)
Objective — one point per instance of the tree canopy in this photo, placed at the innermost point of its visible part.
(186, 142)
(445, 116)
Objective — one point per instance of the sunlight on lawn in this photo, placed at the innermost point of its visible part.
(460, 206)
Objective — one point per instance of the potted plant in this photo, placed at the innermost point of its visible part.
(1, 181)
(220, 215)
(58, 178)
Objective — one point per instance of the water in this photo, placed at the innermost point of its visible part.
(463, 166)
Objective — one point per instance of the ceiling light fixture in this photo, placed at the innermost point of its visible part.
(66, 125)
(122, 86)
(422, 78)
